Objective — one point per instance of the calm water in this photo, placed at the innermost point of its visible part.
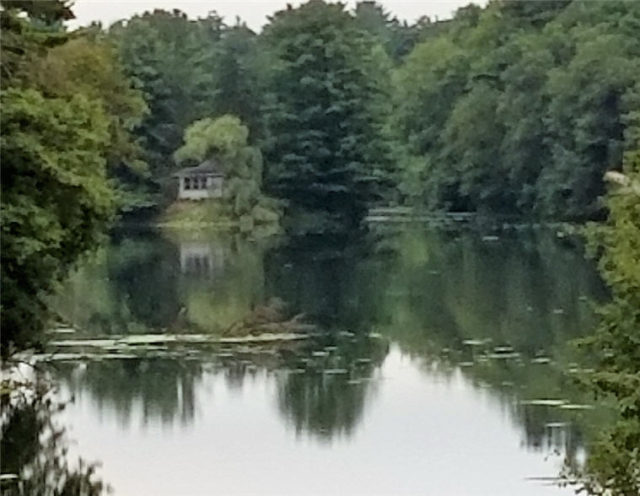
(434, 347)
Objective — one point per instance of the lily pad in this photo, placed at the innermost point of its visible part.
(556, 425)
(346, 334)
(363, 360)
(63, 330)
(544, 402)
(503, 349)
(95, 343)
(503, 356)
(577, 407)
(541, 360)
(475, 342)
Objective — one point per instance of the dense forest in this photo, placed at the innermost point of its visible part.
(518, 108)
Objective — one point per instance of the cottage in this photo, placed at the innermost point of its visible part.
(201, 182)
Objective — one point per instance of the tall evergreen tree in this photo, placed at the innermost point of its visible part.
(170, 60)
(327, 147)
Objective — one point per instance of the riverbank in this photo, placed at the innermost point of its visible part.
(215, 215)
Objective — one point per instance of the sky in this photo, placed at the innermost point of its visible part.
(253, 12)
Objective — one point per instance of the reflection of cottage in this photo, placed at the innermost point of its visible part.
(199, 258)
(201, 182)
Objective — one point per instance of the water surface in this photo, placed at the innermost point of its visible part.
(434, 352)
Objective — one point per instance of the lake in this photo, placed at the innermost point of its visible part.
(441, 363)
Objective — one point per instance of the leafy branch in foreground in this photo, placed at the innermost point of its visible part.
(34, 449)
(613, 466)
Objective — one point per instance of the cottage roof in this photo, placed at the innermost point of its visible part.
(209, 167)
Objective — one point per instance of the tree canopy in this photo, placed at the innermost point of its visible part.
(327, 149)
(226, 139)
(66, 110)
(520, 108)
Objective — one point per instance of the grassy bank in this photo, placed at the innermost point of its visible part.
(214, 214)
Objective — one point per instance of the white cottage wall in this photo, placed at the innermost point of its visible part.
(213, 188)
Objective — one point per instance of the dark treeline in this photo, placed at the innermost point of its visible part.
(516, 108)
(521, 107)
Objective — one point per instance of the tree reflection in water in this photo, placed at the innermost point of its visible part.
(329, 397)
(431, 292)
(322, 383)
(164, 388)
(451, 299)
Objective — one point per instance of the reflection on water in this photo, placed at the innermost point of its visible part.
(163, 390)
(478, 328)
(201, 259)
(321, 385)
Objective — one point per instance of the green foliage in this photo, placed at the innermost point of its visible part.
(90, 67)
(427, 99)
(51, 12)
(166, 56)
(613, 466)
(238, 78)
(226, 136)
(586, 126)
(519, 107)
(57, 132)
(397, 38)
(226, 139)
(55, 198)
(187, 70)
(327, 148)
(471, 148)
(21, 42)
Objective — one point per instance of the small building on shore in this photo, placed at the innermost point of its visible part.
(200, 182)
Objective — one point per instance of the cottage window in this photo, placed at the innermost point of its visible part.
(187, 183)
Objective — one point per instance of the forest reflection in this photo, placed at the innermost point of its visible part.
(447, 299)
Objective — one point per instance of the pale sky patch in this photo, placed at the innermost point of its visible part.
(253, 12)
